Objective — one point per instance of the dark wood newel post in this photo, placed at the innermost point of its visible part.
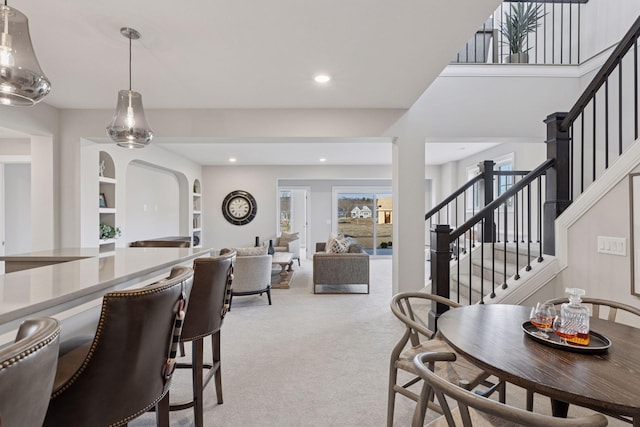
(440, 258)
(558, 193)
(486, 186)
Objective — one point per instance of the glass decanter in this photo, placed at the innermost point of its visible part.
(575, 316)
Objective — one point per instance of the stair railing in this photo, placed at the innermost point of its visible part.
(519, 197)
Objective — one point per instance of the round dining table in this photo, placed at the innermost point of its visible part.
(491, 336)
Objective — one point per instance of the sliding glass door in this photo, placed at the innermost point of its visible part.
(367, 218)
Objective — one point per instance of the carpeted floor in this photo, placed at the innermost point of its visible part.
(307, 360)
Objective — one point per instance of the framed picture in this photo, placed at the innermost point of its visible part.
(634, 187)
(103, 200)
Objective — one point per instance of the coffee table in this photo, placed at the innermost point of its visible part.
(285, 261)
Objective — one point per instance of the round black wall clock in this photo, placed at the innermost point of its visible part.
(239, 207)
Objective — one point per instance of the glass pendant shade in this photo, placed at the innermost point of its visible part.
(22, 81)
(129, 127)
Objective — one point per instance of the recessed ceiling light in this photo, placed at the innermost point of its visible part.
(232, 160)
(322, 160)
(322, 78)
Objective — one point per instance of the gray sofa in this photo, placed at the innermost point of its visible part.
(340, 270)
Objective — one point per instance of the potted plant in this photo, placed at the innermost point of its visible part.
(523, 18)
(109, 232)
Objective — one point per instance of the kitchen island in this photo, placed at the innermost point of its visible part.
(71, 286)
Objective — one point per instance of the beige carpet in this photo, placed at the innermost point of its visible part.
(307, 360)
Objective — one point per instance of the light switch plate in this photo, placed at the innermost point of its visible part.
(612, 245)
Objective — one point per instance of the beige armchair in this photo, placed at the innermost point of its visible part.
(351, 268)
(288, 242)
(251, 275)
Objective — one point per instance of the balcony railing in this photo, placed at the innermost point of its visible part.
(555, 40)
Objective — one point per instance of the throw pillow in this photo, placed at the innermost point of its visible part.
(260, 250)
(339, 245)
(330, 240)
(285, 238)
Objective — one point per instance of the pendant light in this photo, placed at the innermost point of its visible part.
(129, 127)
(22, 81)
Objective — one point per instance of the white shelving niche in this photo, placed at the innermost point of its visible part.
(107, 199)
(196, 235)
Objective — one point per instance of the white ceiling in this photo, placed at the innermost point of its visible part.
(251, 54)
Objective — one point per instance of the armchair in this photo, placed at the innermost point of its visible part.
(251, 275)
(351, 268)
(289, 242)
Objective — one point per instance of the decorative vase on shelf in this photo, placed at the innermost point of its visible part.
(271, 250)
(257, 241)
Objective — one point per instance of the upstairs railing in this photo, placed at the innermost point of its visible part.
(554, 40)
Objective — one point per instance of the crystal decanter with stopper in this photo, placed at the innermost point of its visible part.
(575, 316)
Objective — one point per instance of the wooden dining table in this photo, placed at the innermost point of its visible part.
(491, 336)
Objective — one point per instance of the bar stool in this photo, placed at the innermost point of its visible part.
(208, 304)
(27, 370)
(126, 368)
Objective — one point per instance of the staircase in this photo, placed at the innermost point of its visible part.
(578, 156)
(472, 275)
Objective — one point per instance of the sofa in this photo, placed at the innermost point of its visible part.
(288, 242)
(340, 270)
(252, 272)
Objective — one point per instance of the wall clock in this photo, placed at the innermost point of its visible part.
(239, 207)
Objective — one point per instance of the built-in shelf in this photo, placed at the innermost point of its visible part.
(107, 190)
(106, 180)
(196, 224)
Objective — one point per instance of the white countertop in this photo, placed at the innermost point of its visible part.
(47, 290)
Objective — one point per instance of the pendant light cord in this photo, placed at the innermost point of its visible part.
(129, 61)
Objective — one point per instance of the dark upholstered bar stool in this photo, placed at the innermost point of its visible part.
(208, 305)
(27, 370)
(126, 369)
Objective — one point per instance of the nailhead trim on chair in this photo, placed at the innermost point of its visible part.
(113, 295)
(29, 351)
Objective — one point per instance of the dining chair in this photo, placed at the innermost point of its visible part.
(27, 370)
(412, 309)
(126, 368)
(208, 305)
(599, 307)
(475, 410)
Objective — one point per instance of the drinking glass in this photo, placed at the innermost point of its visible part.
(541, 317)
(564, 329)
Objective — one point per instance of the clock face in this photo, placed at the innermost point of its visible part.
(239, 207)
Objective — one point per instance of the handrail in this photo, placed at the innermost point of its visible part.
(455, 194)
(526, 180)
(627, 42)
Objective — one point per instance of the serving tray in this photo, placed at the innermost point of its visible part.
(597, 344)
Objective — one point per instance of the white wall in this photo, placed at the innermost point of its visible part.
(152, 203)
(601, 275)
(262, 183)
(42, 123)
(604, 23)
(17, 208)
